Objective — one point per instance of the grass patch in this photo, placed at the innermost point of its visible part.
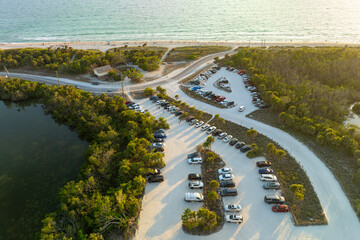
(159, 50)
(340, 163)
(288, 171)
(191, 53)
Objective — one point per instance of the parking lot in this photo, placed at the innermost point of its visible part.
(163, 203)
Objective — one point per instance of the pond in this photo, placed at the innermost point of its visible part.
(37, 157)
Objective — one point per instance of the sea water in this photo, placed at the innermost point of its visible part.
(206, 20)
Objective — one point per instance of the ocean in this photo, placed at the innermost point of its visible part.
(205, 20)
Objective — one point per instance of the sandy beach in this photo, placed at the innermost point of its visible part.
(104, 45)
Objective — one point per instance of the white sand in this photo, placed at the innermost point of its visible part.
(103, 46)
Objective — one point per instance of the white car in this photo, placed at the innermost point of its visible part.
(211, 129)
(206, 126)
(159, 102)
(226, 177)
(194, 197)
(268, 177)
(224, 170)
(194, 121)
(224, 102)
(241, 108)
(173, 110)
(232, 208)
(196, 184)
(195, 160)
(222, 135)
(227, 138)
(158, 144)
(199, 124)
(234, 218)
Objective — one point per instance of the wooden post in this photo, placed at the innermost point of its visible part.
(58, 77)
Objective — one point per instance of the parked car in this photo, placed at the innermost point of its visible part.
(95, 83)
(158, 140)
(263, 163)
(152, 98)
(271, 185)
(232, 208)
(195, 160)
(178, 113)
(241, 108)
(156, 178)
(266, 170)
(233, 141)
(216, 132)
(160, 130)
(234, 218)
(204, 127)
(239, 145)
(228, 192)
(274, 199)
(158, 144)
(194, 197)
(159, 135)
(194, 121)
(222, 135)
(228, 183)
(210, 130)
(188, 119)
(280, 208)
(194, 176)
(224, 170)
(245, 148)
(196, 184)
(155, 171)
(220, 99)
(268, 177)
(226, 176)
(155, 99)
(194, 154)
(199, 124)
(227, 138)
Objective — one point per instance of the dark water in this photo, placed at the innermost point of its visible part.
(37, 157)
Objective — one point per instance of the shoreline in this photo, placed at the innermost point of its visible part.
(105, 45)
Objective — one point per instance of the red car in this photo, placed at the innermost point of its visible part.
(220, 99)
(280, 208)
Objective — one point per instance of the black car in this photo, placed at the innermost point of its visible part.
(158, 140)
(217, 132)
(95, 83)
(274, 199)
(130, 104)
(155, 99)
(233, 141)
(194, 154)
(188, 119)
(263, 163)
(230, 103)
(159, 135)
(163, 104)
(239, 145)
(228, 192)
(227, 184)
(152, 172)
(178, 113)
(194, 176)
(245, 148)
(156, 178)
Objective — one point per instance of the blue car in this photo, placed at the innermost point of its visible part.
(266, 171)
(159, 135)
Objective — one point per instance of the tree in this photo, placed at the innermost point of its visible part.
(198, 114)
(356, 108)
(176, 97)
(251, 133)
(298, 191)
(212, 196)
(214, 185)
(149, 91)
(271, 149)
(134, 74)
(209, 141)
(280, 154)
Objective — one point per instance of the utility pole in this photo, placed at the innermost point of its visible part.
(57, 74)
(122, 85)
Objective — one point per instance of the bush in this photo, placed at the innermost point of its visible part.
(202, 220)
(214, 185)
(149, 91)
(356, 108)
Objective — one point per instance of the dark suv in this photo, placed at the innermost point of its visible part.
(194, 176)
(228, 192)
(274, 199)
(227, 184)
(156, 178)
